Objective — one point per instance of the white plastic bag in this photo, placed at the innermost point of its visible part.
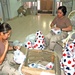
(19, 57)
(31, 38)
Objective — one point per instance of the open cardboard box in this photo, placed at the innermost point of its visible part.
(33, 56)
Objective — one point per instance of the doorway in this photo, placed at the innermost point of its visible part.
(46, 5)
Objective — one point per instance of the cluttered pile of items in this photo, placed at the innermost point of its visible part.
(36, 57)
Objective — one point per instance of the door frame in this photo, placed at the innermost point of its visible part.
(5, 11)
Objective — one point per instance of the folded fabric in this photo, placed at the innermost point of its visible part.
(35, 41)
(56, 31)
(49, 66)
(68, 59)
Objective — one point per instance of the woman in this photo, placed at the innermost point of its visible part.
(60, 22)
(5, 31)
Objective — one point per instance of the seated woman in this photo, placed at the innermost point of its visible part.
(5, 31)
(61, 22)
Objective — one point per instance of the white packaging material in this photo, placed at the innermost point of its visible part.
(56, 31)
(19, 57)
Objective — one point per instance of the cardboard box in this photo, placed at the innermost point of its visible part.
(33, 56)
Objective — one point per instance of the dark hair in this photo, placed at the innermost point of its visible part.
(4, 27)
(63, 9)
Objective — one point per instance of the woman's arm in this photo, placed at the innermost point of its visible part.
(53, 22)
(4, 54)
(69, 28)
(68, 24)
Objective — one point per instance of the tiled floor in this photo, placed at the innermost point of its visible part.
(25, 25)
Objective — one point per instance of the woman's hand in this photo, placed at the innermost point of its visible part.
(56, 28)
(17, 47)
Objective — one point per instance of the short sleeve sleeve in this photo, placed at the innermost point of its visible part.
(1, 48)
(68, 22)
(54, 21)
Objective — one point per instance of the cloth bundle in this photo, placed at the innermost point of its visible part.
(56, 31)
(19, 57)
(35, 41)
(68, 59)
(48, 66)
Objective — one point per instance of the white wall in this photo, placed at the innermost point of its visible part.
(13, 5)
(73, 8)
